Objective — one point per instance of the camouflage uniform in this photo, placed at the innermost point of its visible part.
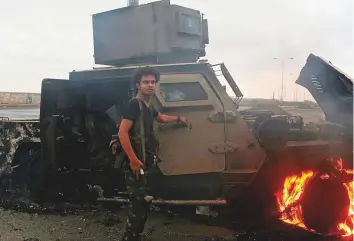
(138, 206)
(138, 188)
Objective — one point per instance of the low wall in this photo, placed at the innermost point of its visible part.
(19, 99)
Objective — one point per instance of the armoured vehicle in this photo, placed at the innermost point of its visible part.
(222, 157)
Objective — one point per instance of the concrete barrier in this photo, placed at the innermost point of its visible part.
(18, 99)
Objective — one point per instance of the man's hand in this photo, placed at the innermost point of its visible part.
(135, 166)
(167, 119)
(183, 120)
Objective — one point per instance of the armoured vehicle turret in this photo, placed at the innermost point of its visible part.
(223, 157)
(153, 33)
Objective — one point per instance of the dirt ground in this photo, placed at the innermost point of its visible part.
(106, 226)
(101, 226)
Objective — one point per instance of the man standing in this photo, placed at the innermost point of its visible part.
(145, 80)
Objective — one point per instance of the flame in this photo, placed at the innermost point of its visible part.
(289, 200)
(294, 187)
(347, 227)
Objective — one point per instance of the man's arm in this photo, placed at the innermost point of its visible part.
(124, 139)
(167, 118)
(129, 115)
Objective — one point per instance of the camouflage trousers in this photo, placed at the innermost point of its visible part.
(138, 207)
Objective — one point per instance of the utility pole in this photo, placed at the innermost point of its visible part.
(282, 75)
(296, 93)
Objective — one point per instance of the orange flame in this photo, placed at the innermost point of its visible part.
(294, 187)
(287, 201)
(348, 225)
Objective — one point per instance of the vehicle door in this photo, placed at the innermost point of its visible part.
(189, 149)
(57, 95)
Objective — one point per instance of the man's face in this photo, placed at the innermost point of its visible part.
(147, 85)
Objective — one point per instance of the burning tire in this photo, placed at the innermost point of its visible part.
(320, 203)
(325, 204)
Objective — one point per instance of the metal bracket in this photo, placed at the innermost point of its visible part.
(223, 148)
(224, 117)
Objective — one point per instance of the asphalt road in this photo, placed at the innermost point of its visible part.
(19, 113)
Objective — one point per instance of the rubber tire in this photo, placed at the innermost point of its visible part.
(325, 203)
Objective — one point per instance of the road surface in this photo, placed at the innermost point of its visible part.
(20, 113)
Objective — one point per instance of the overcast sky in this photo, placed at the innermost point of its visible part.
(48, 38)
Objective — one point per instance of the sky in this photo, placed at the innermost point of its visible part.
(49, 38)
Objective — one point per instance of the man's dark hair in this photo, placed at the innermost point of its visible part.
(143, 72)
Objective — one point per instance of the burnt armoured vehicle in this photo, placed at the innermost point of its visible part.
(218, 159)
